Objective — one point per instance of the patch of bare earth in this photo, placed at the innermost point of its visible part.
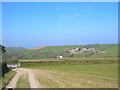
(101, 51)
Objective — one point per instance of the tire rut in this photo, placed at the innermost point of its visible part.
(32, 80)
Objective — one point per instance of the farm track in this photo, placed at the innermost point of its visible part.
(31, 78)
(13, 82)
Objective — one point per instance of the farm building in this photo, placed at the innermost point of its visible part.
(81, 50)
(59, 56)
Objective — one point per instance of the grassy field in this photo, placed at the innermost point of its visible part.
(23, 81)
(12, 61)
(111, 50)
(77, 76)
(67, 61)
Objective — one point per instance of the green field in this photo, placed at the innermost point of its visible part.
(67, 61)
(77, 76)
(111, 50)
(85, 70)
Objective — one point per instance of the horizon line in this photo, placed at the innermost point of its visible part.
(61, 45)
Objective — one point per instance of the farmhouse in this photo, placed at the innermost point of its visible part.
(81, 50)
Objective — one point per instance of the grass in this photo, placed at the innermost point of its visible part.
(12, 61)
(68, 61)
(23, 81)
(77, 76)
(7, 77)
(111, 50)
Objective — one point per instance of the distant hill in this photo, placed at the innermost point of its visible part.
(13, 53)
(14, 48)
(106, 50)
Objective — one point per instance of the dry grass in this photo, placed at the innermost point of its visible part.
(66, 77)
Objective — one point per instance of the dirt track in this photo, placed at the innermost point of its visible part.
(32, 80)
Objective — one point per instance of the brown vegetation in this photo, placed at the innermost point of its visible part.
(37, 48)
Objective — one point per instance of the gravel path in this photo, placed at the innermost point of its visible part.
(32, 80)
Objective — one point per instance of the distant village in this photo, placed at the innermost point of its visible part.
(81, 50)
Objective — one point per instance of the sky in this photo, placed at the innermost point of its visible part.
(35, 24)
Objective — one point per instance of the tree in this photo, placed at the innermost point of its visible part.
(3, 67)
(2, 49)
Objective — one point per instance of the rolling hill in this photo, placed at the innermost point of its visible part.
(13, 53)
(9, 49)
(107, 50)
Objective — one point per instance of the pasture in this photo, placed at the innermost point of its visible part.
(110, 51)
(77, 75)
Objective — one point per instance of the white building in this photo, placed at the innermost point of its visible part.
(59, 56)
(77, 48)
